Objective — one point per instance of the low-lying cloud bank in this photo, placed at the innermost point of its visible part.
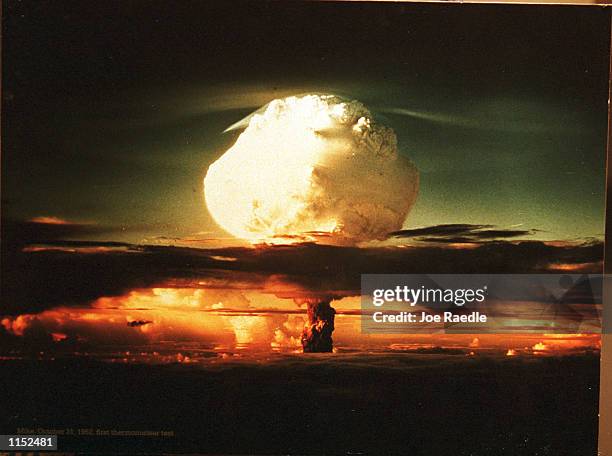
(62, 273)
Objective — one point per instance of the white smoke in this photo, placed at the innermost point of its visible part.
(312, 165)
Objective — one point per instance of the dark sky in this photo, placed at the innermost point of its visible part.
(112, 111)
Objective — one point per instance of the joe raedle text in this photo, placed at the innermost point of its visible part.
(424, 317)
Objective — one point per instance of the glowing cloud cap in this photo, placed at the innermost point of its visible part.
(312, 167)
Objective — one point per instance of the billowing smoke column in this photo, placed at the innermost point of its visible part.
(312, 167)
(317, 334)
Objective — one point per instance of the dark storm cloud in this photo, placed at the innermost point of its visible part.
(440, 230)
(136, 323)
(43, 279)
(496, 234)
(446, 240)
(460, 232)
(46, 229)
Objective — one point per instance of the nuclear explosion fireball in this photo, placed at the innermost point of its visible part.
(312, 166)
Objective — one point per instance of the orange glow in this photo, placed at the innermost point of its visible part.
(540, 346)
(49, 220)
(58, 248)
(17, 325)
(464, 245)
(257, 321)
(577, 267)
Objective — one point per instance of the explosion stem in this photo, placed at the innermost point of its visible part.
(317, 334)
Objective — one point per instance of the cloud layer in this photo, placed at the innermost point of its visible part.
(460, 233)
(75, 273)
